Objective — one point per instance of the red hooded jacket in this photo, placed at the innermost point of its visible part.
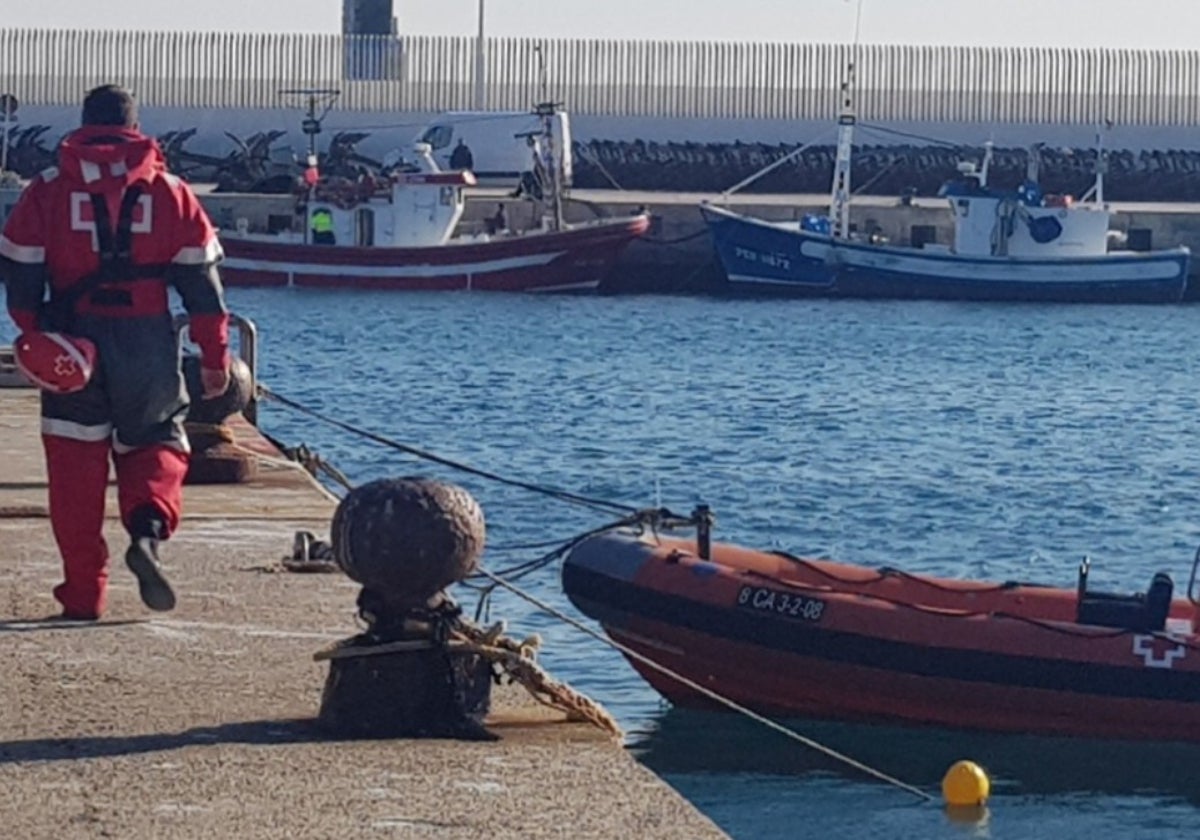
(50, 237)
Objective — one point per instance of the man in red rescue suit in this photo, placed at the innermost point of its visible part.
(105, 233)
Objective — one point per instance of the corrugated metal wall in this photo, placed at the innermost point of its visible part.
(620, 78)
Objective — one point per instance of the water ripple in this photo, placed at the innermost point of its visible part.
(959, 439)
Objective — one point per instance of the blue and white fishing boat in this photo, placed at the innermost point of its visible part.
(1009, 245)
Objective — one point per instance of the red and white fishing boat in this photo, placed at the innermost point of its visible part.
(401, 232)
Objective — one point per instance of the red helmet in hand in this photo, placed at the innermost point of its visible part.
(58, 363)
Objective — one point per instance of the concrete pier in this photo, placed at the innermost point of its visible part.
(198, 723)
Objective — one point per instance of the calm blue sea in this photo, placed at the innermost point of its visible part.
(968, 440)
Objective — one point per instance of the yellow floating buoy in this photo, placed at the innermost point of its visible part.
(965, 785)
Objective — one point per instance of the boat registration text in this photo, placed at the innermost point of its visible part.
(786, 604)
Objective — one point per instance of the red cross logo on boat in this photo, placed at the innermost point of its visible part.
(1158, 651)
(64, 365)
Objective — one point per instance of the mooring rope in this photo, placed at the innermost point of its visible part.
(561, 495)
(708, 692)
(652, 518)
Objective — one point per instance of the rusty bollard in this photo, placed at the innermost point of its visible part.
(216, 458)
(405, 540)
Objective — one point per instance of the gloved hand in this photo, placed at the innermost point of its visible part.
(214, 381)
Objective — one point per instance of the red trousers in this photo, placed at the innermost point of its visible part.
(78, 476)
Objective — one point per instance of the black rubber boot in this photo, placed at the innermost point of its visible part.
(146, 529)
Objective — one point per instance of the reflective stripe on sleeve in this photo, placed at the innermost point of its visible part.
(211, 252)
(27, 254)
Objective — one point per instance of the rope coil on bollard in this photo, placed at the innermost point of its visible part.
(517, 659)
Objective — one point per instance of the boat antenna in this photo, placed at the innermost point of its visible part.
(322, 98)
(543, 79)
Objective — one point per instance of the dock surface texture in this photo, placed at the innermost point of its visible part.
(198, 723)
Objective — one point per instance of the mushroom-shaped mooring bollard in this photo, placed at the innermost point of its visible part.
(405, 540)
(238, 394)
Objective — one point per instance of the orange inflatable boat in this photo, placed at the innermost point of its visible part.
(790, 636)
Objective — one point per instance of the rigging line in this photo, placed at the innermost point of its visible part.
(887, 170)
(585, 154)
(707, 692)
(524, 546)
(561, 495)
(745, 182)
(857, 26)
(948, 143)
(560, 547)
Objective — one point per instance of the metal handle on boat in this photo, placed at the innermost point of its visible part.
(247, 350)
(703, 517)
(1192, 580)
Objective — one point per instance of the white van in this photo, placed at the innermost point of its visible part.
(498, 142)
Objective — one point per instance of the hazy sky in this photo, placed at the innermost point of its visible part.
(1164, 24)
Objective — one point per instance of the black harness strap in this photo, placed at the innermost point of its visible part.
(114, 246)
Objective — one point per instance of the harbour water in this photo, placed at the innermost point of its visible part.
(967, 440)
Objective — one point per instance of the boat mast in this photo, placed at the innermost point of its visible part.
(839, 206)
(551, 162)
(987, 163)
(1101, 163)
(322, 98)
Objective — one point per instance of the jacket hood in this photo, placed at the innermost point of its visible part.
(103, 155)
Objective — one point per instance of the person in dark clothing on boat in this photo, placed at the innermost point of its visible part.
(461, 157)
(498, 223)
(107, 232)
(534, 180)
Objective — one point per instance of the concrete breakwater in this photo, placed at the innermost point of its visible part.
(678, 256)
(916, 169)
(263, 162)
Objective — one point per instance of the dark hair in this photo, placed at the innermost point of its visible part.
(110, 105)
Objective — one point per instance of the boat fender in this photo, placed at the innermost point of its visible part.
(1045, 229)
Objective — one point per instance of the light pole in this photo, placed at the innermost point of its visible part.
(480, 98)
(8, 105)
